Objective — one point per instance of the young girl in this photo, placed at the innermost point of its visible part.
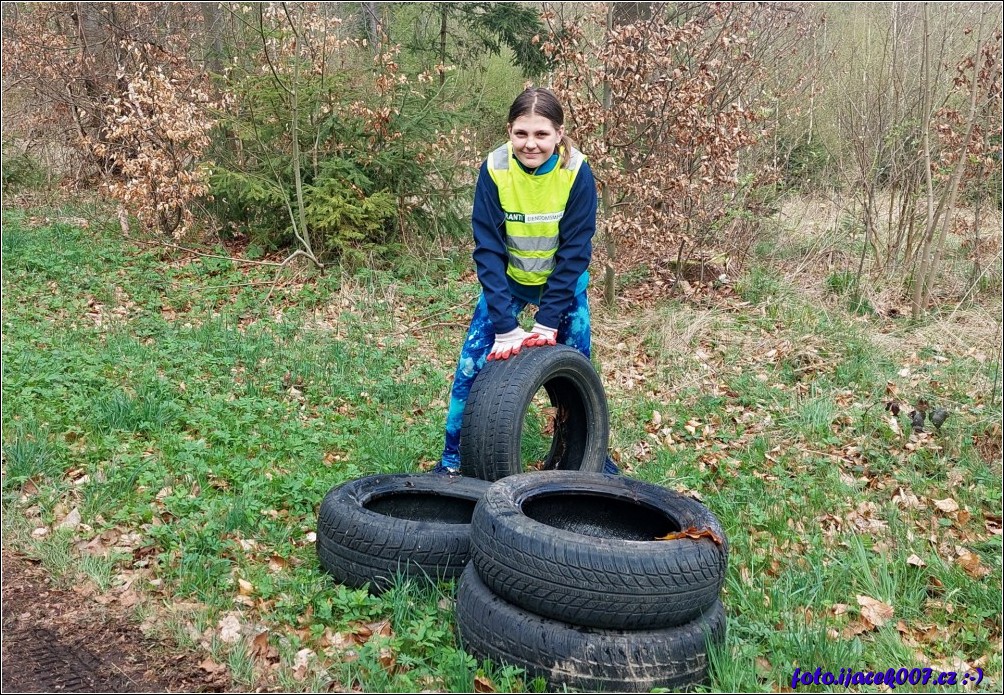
(534, 218)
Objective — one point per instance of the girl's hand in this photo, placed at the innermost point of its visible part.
(507, 344)
(541, 335)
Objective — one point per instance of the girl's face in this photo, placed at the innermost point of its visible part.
(534, 139)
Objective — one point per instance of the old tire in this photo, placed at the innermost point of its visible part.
(371, 529)
(492, 429)
(582, 548)
(582, 658)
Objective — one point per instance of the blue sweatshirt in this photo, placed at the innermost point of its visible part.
(575, 234)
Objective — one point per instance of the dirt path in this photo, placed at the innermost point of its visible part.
(56, 640)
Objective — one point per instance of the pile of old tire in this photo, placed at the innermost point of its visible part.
(492, 427)
(373, 530)
(570, 580)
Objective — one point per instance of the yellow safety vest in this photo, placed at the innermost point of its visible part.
(533, 206)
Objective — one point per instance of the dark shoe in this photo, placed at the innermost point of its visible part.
(610, 468)
(444, 470)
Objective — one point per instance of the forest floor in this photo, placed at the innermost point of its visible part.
(172, 420)
(72, 639)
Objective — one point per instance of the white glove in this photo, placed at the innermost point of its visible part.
(507, 344)
(541, 335)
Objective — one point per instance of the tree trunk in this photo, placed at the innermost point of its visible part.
(618, 13)
(628, 13)
(917, 307)
(442, 42)
(609, 274)
(304, 233)
(372, 21)
(945, 213)
(213, 42)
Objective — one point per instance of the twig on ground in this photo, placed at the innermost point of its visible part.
(436, 315)
(290, 257)
(205, 255)
(237, 284)
(433, 325)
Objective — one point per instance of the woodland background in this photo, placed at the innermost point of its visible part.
(342, 131)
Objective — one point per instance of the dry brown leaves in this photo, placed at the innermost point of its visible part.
(875, 613)
(666, 159)
(694, 534)
(484, 684)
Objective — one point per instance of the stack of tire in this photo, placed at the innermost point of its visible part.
(570, 581)
(589, 581)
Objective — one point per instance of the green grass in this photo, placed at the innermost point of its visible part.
(538, 428)
(177, 405)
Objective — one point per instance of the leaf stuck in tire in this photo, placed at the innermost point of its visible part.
(695, 533)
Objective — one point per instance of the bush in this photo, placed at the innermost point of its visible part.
(807, 165)
(348, 224)
(366, 156)
(20, 171)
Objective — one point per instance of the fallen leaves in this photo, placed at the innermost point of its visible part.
(873, 615)
(301, 664)
(211, 667)
(263, 650)
(947, 505)
(874, 612)
(894, 425)
(71, 521)
(918, 633)
(906, 499)
(992, 523)
(865, 518)
(337, 642)
(484, 684)
(956, 477)
(361, 633)
(693, 533)
(230, 628)
(972, 565)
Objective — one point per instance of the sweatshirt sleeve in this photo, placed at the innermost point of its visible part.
(575, 248)
(490, 254)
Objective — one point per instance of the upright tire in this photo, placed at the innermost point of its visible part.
(492, 429)
(584, 658)
(371, 529)
(582, 548)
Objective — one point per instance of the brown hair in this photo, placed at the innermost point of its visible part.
(541, 101)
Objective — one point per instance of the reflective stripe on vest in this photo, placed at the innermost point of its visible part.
(533, 207)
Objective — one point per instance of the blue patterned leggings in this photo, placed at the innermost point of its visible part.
(573, 330)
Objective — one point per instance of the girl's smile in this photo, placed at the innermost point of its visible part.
(534, 139)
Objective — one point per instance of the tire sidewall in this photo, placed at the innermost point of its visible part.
(584, 658)
(520, 378)
(359, 546)
(346, 503)
(557, 572)
(503, 502)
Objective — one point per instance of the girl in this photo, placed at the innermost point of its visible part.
(534, 218)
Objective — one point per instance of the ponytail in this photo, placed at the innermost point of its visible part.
(565, 148)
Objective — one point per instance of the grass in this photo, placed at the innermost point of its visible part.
(198, 420)
(538, 429)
